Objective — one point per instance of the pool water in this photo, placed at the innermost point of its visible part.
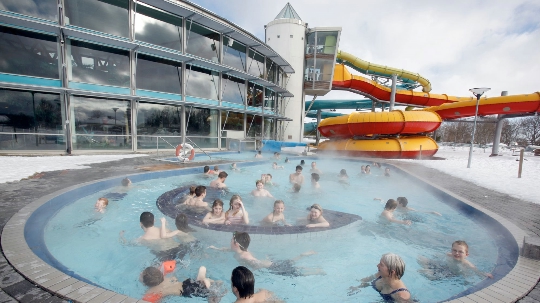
(88, 244)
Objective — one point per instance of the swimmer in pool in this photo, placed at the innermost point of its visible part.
(101, 204)
(239, 245)
(456, 263)
(161, 286)
(216, 216)
(236, 214)
(315, 217)
(260, 191)
(297, 176)
(277, 216)
(387, 280)
(388, 213)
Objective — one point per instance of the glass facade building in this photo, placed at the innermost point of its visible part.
(121, 74)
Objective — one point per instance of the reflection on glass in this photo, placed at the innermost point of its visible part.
(269, 99)
(202, 122)
(100, 123)
(45, 9)
(108, 16)
(253, 126)
(268, 128)
(270, 71)
(254, 95)
(159, 74)
(158, 27)
(255, 64)
(201, 82)
(30, 112)
(28, 53)
(202, 42)
(98, 64)
(158, 120)
(234, 53)
(232, 121)
(234, 89)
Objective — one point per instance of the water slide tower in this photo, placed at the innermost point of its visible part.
(312, 54)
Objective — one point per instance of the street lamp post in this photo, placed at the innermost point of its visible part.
(477, 92)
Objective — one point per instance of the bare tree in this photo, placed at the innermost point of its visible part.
(530, 127)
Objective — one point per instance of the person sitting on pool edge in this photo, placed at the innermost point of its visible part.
(277, 215)
(402, 207)
(220, 181)
(200, 194)
(387, 280)
(160, 287)
(236, 214)
(239, 245)
(216, 216)
(101, 204)
(260, 191)
(243, 287)
(388, 213)
(315, 217)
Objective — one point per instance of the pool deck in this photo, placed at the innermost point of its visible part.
(525, 216)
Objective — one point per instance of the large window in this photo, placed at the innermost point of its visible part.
(31, 120)
(202, 126)
(158, 27)
(158, 120)
(100, 123)
(91, 63)
(28, 53)
(232, 121)
(108, 16)
(255, 64)
(202, 42)
(253, 126)
(234, 53)
(159, 74)
(234, 89)
(45, 9)
(254, 95)
(201, 82)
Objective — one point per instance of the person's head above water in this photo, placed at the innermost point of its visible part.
(242, 239)
(147, 219)
(402, 201)
(200, 190)
(152, 276)
(391, 204)
(243, 282)
(394, 264)
(126, 182)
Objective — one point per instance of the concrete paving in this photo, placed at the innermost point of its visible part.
(15, 195)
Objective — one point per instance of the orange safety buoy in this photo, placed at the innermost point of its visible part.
(185, 153)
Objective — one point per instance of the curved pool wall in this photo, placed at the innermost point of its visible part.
(28, 256)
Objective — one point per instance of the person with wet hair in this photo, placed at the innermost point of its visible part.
(217, 215)
(243, 287)
(387, 280)
(315, 217)
(388, 213)
(220, 181)
(402, 207)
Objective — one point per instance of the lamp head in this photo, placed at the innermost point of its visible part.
(479, 91)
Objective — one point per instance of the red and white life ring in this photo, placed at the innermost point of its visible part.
(186, 153)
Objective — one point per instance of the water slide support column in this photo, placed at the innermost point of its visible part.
(393, 93)
(318, 135)
(498, 131)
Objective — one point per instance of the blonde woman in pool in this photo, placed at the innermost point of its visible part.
(236, 214)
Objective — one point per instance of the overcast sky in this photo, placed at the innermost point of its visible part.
(457, 45)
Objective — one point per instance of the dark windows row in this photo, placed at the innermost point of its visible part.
(152, 26)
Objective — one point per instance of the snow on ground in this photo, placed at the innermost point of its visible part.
(497, 173)
(17, 168)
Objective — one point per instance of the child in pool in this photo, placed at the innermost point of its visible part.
(216, 216)
(101, 204)
(277, 215)
(388, 213)
(236, 214)
(260, 191)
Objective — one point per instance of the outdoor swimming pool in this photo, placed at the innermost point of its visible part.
(87, 243)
